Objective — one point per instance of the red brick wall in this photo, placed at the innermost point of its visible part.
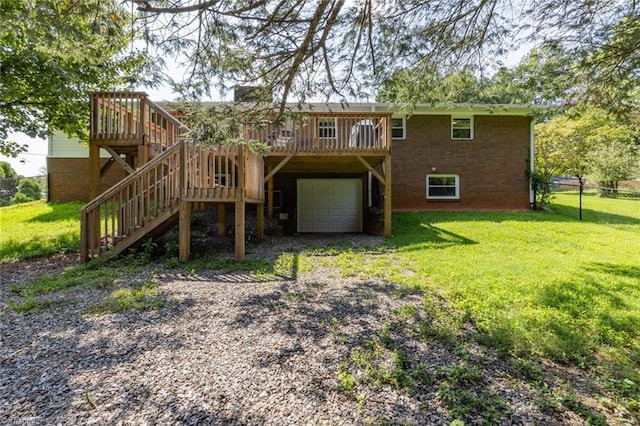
(69, 179)
(492, 167)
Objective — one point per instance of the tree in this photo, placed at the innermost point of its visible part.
(8, 183)
(53, 53)
(28, 190)
(540, 78)
(302, 49)
(616, 157)
(587, 142)
(6, 171)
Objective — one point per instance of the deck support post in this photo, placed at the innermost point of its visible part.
(143, 155)
(94, 170)
(269, 195)
(222, 220)
(387, 196)
(184, 231)
(240, 225)
(260, 220)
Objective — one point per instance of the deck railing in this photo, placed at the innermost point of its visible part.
(149, 193)
(129, 118)
(222, 172)
(152, 194)
(325, 133)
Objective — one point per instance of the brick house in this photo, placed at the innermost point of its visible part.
(333, 170)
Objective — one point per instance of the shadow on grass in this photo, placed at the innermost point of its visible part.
(573, 321)
(596, 209)
(594, 216)
(59, 212)
(618, 270)
(418, 231)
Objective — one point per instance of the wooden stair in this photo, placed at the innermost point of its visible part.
(133, 208)
(174, 175)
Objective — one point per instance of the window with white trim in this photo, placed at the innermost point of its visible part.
(327, 128)
(462, 127)
(398, 127)
(443, 187)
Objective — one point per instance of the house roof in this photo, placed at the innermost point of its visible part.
(418, 109)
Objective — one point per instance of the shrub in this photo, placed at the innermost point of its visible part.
(28, 190)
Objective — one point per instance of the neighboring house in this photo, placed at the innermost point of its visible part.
(332, 170)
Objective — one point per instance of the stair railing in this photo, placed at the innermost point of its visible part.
(114, 220)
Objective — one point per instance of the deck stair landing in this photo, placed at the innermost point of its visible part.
(172, 175)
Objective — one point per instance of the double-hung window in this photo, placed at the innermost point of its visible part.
(443, 187)
(462, 127)
(398, 127)
(327, 128)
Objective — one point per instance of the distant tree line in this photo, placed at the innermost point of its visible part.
(15, 189)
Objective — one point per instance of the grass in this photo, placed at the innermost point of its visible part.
(139, 297)
(620, 212)
(534, 283)
(535, 286)
(38, 229)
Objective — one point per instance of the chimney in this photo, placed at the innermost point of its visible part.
(250, 94)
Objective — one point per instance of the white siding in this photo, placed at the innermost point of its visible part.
(62, 146)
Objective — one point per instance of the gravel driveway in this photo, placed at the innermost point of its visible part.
(225, 349)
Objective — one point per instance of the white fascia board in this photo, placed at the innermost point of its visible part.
(419, 109)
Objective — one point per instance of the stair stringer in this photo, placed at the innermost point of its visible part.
(133, 208)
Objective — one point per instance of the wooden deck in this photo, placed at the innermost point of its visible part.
(169, 175)
(325, 133)
(328, 142)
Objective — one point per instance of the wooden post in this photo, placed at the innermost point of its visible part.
(270, 195)
(387, 196)
(184, 221)
(184, 231)
(143, 154)
(260, 220)
(222, 220)
(240, 224)
(94, 170)
(84, 233)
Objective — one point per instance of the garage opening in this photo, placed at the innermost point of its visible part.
(329, 205)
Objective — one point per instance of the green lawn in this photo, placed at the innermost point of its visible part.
(541, 286)
(618, 212)
(37, 229)
(536, 285)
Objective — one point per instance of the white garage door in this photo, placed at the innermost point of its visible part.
(329, 205)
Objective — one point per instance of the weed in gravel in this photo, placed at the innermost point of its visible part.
(32, 305)
(379, 361)
(91, 274)
(334, 329)
(530, 370)
(464, 393)
(144, 296)
(347, 383)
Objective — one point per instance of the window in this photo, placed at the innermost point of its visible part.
(327, 128)
(443, 187)
(461, 127)
(398, 128)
